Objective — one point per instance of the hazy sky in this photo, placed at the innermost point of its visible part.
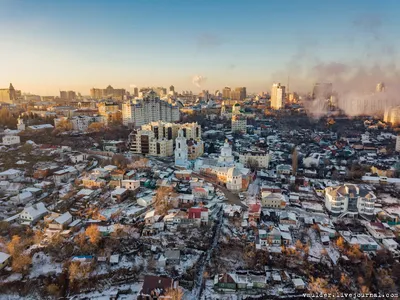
(48, 45)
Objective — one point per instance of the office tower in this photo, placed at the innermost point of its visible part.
(226, 93)
(322, 90)
(277, 96)
(172, 89)
(138, 112)
(380, 87)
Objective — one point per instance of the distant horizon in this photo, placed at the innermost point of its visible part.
(50, 46)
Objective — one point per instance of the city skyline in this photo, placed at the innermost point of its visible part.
(52, 46)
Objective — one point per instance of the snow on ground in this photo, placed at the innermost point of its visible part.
(386, 198)
(189, 261)
(124, 262)
(316, 246)
(42, 265)
(124, 207)
(333, 254)
(393, 210)
(312, 206)
(13, 277)
(97, 295)
(17, 297)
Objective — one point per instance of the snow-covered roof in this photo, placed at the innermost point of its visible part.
(298, 282)
(85, 192)
(10, 172)
(118, 191)
(3, 257)
(114, 259)
(150, 214)
(35, 210)
(63, 218)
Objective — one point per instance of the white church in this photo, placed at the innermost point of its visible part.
(181, 150)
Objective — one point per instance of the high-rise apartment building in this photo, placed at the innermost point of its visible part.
(8, 95)
(239, 123)
(138, 112)
(392, 115)
(110, 111)
(67, 95)
(135, 92)
(172, 89)
(226, 93)
(238, 94)
(277, 96)
(107, 93)
(157, 138)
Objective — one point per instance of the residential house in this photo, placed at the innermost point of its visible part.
(225, 281)
(183, 174)
(173, 257)
(155, 286)
(131, 185)
(283, 169)
(254, 212)
(379, 231)
(272, 200)
(62, 176)
(298, 284)
(199, 214)
(200, 193)
(151, 217)
(78, 157)
(4, 185)
(61, 222)
(145, 200)
(10, 140)
(364, 241)
(92, 181)
(274, 237)
(288, 218)
(22, 198)
(119, 194)
(4, 260)
(10, 174)
(30, 215)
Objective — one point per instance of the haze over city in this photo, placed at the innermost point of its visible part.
(49, 46)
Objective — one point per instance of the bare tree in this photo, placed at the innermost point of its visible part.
(162, 199)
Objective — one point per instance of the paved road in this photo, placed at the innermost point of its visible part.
(231, 197)
(198, 282)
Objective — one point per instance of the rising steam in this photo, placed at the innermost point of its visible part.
(198, 80)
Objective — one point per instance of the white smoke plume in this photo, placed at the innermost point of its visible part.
(354, 80)
(198, 80)
(132, 86)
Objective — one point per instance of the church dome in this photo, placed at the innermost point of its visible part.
(233, 172)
